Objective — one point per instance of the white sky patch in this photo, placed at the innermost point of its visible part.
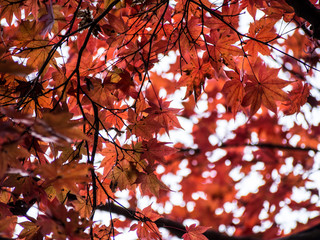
(289, 223)
(251, 182)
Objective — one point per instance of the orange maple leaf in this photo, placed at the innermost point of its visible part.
(298, 97)
(102, 232)
(7, 224)
(9, 9)
(195, 233)
(35, 48)
(144, 127)
(147, 229)
(264, 88)
(7, 65)
(194, 77)
(66, 176)
(151, 184)
(164, 116)
(234, 92)
(222, 50)
(262, 32)
(122, 177)
(30, 230)
(82, 206)
(111, 154)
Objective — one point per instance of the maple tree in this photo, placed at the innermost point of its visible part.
(89, 111)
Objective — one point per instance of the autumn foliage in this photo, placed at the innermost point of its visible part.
(92, 108)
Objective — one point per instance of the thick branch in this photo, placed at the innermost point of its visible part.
(178, 229)
(306, 10)
(173, 227)
(270, 146)
(312, 233)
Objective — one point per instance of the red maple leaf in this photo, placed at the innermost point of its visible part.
(264, 88)
(195, 233)
(163, 115)
(234, 91)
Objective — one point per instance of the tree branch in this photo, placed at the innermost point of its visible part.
(178, 229)
(312, 233)
(270, 146)
(173, 227)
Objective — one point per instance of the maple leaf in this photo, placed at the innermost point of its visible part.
(298, 97)
(147, 230)
(9, 9)
(154, 150)
(234, 92)
(251, 6)
(122, 178)
(111, 154)
(10, 155)
(82, 206)
(102, 232)
(32, 6)
(101, 92)
(62, 223)
(264, 88)
(66, 176)
(151, 184)
(195, 233)
(30, 231)
(14, 68)
(163, 115)
(262, 32)
(104, 192)
(149, 213)
(194, 77)
(32, 45)
(144, 127)
(7, 223)
(222, 51)
(57, 128)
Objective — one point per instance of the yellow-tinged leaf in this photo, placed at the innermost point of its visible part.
(122, 178)
(35, 48)
(53, 193)
(57, 128)
(64, 177)
(10, 155)
(151, 184)
(82, 206)
(29, 231)
(103, 232)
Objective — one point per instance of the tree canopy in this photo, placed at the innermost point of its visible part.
(207, 110)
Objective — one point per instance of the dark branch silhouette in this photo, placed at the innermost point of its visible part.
(306, 10)
(178, 229)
